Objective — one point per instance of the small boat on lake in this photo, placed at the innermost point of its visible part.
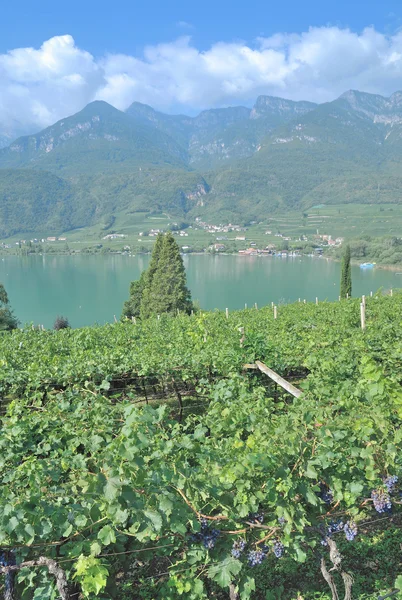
(367, 265)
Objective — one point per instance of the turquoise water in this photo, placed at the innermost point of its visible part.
(90, 289)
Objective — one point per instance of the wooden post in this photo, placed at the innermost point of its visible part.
(363, 315)
(278, 379)
(304, 301)
(256, 306)
(159, 317)
(339, 298)
(134, 320)
(114, 317)
(227, 313)
(391, 292)
(371, 294)
(347, 296)
(275, 312)
(364, 301)
(316, 300)
(299, 300)
(243, 337)
(245, 306)
(272, 304)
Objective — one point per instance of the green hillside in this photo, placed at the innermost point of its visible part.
(98, 138)
(234, 163)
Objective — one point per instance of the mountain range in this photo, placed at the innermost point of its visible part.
(228, 164)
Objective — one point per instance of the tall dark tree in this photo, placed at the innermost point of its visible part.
(132, 307)
(149, 275)
(346, 274)
(168, 291)
(7, 318)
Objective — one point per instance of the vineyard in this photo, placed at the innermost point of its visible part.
(152, 460)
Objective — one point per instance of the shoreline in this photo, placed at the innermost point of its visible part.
(387, 267)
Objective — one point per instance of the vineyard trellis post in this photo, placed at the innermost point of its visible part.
(363, 315)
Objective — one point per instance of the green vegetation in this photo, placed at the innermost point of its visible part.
(226, 165)
(346, 274)
(162, 287)
(148, 463)
(387, 250)
(7, 319)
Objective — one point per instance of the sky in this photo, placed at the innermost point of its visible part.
(186, 56)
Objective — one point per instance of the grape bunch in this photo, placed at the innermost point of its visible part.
(255, 557)
(281, 520)
(278, 548)
(390, 483)
(335, 527)
(7, 559)
(206, 536)
(256, 518)
(350, 530)
(237, 548)
(326, 494)
(381, 500)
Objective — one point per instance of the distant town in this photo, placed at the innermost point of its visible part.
(225, 236)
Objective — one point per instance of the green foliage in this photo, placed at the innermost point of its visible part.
(346, 274)
(109, 486)
(162, 287)
(132, 306)
(7, 318)
(166, 290)
(91, 575)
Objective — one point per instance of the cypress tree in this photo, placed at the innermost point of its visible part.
(148, 277)
(168, 291)
(346, 274)
(132, 306)
(7, 319)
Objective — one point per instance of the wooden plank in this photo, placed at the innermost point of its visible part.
(278, 379)
(250, 366)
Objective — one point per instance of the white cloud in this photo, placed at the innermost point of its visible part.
(39, 86)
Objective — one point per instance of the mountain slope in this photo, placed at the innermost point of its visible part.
(224, 164)
(34, 201)
(99, 138)
(219, 136)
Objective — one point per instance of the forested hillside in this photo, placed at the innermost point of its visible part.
(224, 164)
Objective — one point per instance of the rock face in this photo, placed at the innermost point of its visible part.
(217, 136)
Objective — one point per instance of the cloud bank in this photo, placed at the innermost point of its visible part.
(40, 86)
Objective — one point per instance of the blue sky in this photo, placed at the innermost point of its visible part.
(115, 26)
(186, 56)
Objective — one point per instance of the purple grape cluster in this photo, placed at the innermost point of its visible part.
(335, 527)
(326, 494)
(281, 520)
(256, 518)
(255, 557)
(279, 549)
(390, 483)
(206, 536)
(238, 548)
(381, 500)
(350, 530)
(7, 559)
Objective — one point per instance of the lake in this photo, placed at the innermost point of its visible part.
(90, 289)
